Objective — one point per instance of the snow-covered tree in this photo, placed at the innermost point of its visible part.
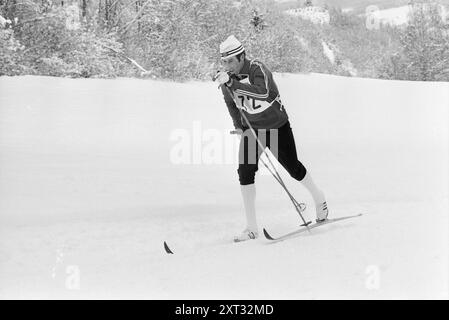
(425, 41)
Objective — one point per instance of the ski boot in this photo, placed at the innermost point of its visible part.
(321, 212)
(246, 235)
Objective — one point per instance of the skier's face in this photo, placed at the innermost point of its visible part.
(232, 64)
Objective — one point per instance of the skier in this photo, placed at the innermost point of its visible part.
(249, 86)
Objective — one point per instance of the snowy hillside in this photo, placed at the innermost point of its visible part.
(399, 15)
(89, 190)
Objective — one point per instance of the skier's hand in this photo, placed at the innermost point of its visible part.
(238, 132)
(222, 77)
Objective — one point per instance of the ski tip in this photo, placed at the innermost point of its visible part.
(267, 235)
(167, 249)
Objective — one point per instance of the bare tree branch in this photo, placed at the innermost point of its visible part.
(144, 71)
(136, 17)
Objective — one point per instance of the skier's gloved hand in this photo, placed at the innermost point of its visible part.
(222, 77)
(237, 132)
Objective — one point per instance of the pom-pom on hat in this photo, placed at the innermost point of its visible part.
(230, 47)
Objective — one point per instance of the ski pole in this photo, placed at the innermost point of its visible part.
(275, 174)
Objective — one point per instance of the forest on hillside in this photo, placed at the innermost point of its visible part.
(179, 39)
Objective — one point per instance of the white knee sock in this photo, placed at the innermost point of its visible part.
(249, 200)
(317, 194)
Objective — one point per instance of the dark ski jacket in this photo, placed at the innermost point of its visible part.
(256, 94)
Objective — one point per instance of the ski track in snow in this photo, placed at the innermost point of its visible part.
(86, 181)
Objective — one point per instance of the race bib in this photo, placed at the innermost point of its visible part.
(250, 104)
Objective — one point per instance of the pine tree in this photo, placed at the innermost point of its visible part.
(425, 45)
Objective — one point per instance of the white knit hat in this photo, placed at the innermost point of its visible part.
(230, 47)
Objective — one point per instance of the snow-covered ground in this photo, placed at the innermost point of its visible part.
(89, 190)
(398, 15)
(393, 16)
